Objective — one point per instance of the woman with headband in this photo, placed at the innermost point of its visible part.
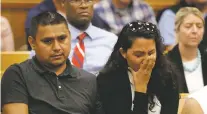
(138, 78)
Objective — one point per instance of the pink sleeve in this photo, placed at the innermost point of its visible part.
(6, 35)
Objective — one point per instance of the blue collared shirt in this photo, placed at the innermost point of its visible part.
(167, 27)
(99, 45)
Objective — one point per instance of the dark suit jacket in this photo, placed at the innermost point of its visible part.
(204, 41)
(175, 57)
(115, 94)
(99, 22)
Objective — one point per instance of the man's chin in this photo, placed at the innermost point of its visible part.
(84, 20)
(193, 45)
(57, 63)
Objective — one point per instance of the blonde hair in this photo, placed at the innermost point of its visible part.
(183, 12)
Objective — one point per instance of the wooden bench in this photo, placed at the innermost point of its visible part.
(183, 97)
(9, 58)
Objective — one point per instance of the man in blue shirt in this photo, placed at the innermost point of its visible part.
(53, 5)
(98, 43)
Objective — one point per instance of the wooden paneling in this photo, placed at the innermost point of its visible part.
(9, 58)
(19, 3)
(16, 18)
(160, 4)
(16, 11)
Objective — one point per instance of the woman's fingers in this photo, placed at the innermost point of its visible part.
(144, 64)
(151, 63)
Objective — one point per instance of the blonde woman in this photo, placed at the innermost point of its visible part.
(190, 59)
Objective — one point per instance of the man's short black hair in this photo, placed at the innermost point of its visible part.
(44, 19)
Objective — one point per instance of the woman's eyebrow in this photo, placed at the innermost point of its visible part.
(151, 51)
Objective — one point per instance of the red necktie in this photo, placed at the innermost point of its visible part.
(79, 52)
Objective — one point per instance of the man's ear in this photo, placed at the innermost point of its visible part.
(123, 53)
(31, 41)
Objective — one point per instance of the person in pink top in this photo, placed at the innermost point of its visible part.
(7, 41)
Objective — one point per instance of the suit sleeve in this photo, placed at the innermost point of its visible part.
(140, 103)
(170, 99)
(99, 108)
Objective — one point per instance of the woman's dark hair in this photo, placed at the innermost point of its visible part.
(163, 69)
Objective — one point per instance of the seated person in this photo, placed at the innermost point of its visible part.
(52, 5)
(138, 78)
(166, 20)
(117, 13)
(196, 103)
(48, 83)
(189, 58)
(7, 40)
